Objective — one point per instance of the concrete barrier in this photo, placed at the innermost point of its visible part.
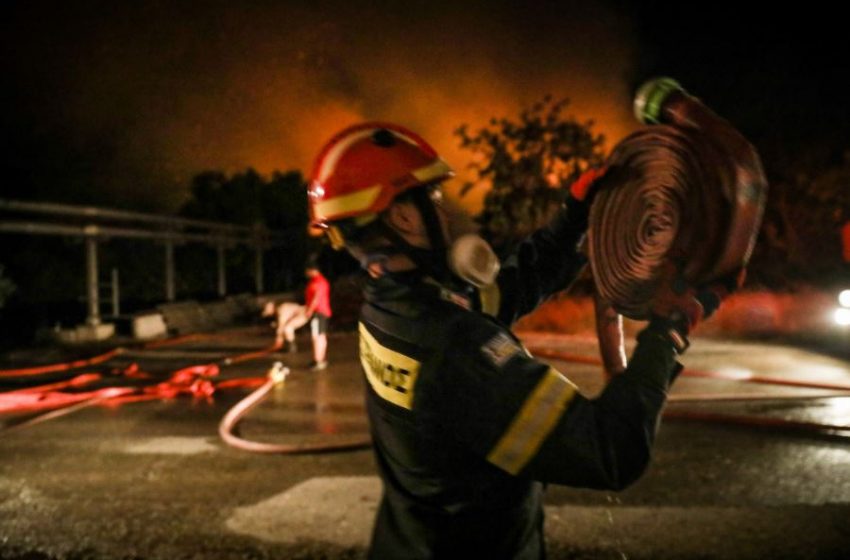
(82, 334)
(247, 306)
(148, 325)
(220, 313)
(185, 317)
(190, 316)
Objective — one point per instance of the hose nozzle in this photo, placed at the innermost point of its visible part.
(278, 373)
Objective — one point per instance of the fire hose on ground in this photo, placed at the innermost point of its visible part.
(838, 390)
(276, 378)
(200, 382)
(67, 366)
(197, 381)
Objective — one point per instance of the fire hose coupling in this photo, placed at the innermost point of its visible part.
(278, 373)
(650, 99)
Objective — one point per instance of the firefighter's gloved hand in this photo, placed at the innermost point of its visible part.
(713, 294)
(677, 307)
(586, 186)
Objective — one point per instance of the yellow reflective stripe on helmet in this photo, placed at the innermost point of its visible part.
(435, 170)
(392, 375)
(360, 200)
(535, 420)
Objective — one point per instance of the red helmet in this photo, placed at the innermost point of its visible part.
(363, 168)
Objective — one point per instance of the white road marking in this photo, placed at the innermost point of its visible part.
(339, 510)
(171, 446)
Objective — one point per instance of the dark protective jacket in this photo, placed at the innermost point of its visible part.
(467, 426)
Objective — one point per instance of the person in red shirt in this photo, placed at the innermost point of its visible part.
(317, 299)
(292, 316)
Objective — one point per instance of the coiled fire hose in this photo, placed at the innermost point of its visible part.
(688, 188)
(276, 378)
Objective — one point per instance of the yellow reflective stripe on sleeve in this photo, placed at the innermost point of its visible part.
(359, 200)
(392, 375)
(535, 420)
(491, 299)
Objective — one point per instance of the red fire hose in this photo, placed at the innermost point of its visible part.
(759, 422)
(40, 370)
(577, 358)
(690, 187)
(200, 382)
(193, 380)
(276, 378)
(739, 420)
(96, 360)
(196, 381)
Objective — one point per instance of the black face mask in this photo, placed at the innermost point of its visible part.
(435, 262)
(429, 262)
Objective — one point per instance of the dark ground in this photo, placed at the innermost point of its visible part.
(153, 480)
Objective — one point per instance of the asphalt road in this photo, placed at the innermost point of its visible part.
(152, 480)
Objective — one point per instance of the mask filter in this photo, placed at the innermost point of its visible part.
(472, 259)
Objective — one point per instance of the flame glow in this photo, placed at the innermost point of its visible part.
(162, 91)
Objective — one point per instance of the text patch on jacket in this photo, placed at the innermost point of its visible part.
(392, 375)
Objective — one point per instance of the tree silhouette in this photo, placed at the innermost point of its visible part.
(809, 202)
(278, 203)
(526, 165)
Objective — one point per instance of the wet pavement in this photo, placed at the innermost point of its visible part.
(153, 480)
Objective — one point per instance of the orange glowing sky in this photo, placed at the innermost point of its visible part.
(166, 90)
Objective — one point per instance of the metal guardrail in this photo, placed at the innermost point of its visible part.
(96, 225)
(36, 228)
(94, 212)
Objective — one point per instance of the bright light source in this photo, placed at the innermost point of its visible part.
(844, 298)
(842, 317)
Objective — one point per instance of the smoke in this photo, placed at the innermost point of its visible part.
(157, 91)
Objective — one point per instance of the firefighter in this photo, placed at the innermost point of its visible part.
(467, 426)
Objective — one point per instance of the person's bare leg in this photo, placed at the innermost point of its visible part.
(320, 347)
(290, 317)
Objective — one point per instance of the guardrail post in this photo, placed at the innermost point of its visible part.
(170, 291)
(258, 269)
(92, 295)
(167, 229)
(222, 271)
(116, 300)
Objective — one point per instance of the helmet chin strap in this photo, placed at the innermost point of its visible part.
(433, 227)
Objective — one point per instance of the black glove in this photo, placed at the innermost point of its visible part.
(677, 308)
